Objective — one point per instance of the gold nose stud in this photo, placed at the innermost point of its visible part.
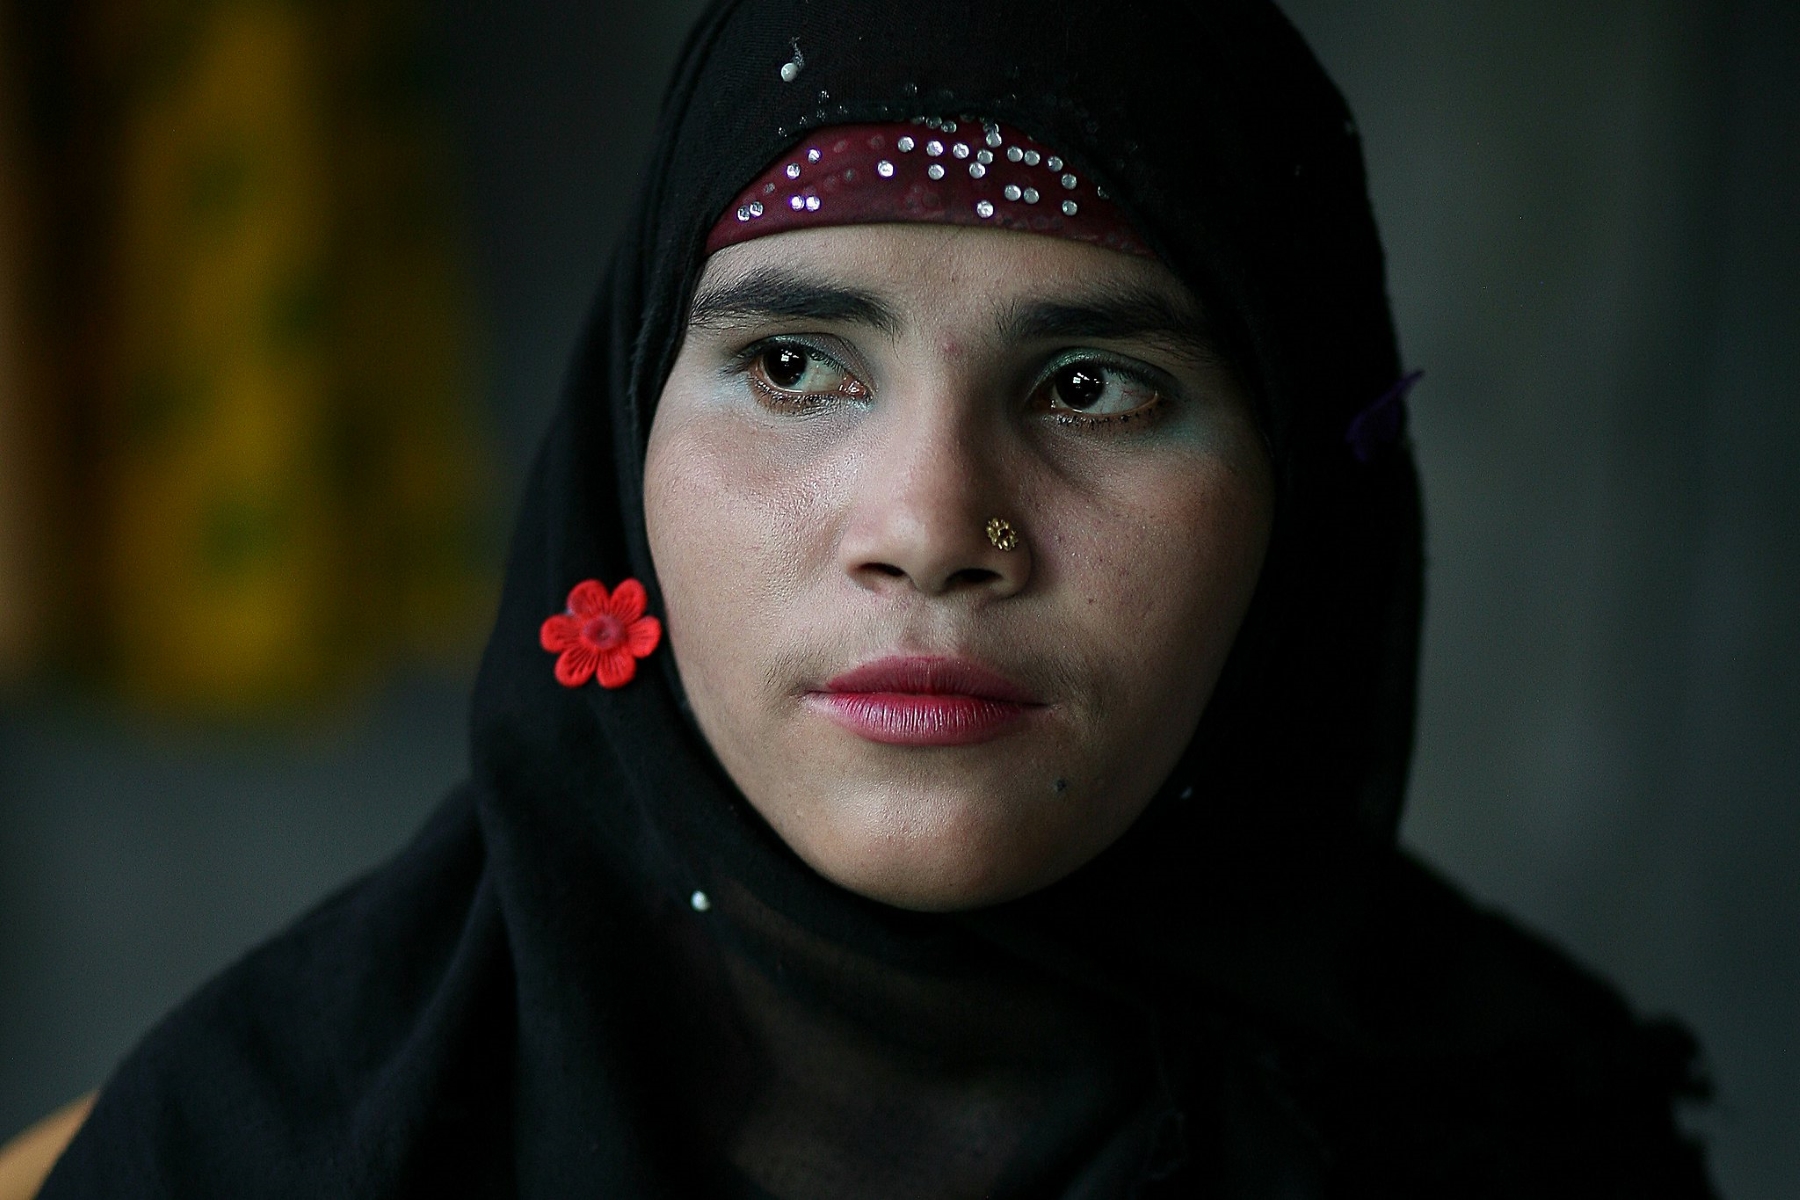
(1001, 535)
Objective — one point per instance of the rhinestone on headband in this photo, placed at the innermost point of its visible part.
(867, 174)
(790, 70)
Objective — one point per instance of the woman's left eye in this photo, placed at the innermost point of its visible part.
(795, 371)
(1088, 391)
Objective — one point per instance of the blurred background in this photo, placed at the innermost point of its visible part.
(287, 288)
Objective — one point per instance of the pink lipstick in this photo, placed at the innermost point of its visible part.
(924, 702)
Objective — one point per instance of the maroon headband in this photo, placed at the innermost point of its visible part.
(930, 170)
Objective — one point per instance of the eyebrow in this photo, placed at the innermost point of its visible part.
(1120, 314)
(1114, 314)
(774, 293)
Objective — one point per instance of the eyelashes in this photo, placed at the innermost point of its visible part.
(1085, 389)
(1083, 421)
(776, 369)
(1082, 390)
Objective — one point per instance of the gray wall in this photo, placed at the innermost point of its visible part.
(1593, 249)
(1592, 215)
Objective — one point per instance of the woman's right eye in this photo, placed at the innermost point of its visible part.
(793, 372)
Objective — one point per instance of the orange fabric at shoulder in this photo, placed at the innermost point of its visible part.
(25, 1161)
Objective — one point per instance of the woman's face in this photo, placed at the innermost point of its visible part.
(924, 717)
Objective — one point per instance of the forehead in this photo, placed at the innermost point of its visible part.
(944, 273)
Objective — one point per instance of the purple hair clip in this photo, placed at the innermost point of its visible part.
(1379, 424)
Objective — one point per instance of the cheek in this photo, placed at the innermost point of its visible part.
(734, 530)
(1159, 573)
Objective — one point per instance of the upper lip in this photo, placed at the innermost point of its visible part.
(932, 676)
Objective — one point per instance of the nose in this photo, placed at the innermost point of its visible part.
(930, 481)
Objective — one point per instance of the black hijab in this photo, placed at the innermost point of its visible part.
(597, 972)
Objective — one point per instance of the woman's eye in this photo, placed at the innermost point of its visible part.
(1095, 390)
(796, 369)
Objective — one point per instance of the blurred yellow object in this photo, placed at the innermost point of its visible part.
(26, 1160)
(286, 393)
(222, 555)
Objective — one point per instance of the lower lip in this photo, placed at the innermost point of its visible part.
(915, 719)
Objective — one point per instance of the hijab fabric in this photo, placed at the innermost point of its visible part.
(1253, 993)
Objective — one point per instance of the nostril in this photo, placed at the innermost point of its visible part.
(888, 569)
(973, 576)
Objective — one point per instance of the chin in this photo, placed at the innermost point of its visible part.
(937, 850)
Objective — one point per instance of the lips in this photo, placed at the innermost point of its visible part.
(919, 701)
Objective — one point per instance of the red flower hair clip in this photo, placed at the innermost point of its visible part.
(601, 635)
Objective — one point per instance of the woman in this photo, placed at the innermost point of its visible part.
(1003, 411)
